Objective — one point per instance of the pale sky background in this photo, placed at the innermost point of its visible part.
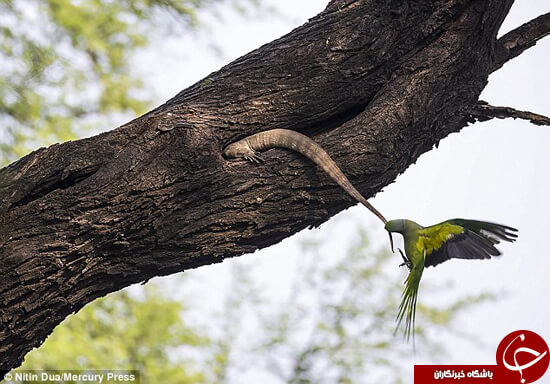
(496, 171)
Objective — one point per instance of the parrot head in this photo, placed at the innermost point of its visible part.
(394, 226)
(402, 226)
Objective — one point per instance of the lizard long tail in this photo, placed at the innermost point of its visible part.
(298, 142)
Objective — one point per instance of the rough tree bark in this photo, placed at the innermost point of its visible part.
(376, 83)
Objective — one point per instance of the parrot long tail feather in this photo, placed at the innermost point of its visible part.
(407, 308)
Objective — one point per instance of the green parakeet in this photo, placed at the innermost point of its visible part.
(430, 246)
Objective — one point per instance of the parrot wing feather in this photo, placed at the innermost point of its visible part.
(462, 239)
(495, 233)
(467, 245)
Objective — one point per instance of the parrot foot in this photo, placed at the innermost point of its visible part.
(406, 261)
(407, 264)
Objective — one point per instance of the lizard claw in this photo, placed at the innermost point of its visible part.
(254, 158)
(257, 158)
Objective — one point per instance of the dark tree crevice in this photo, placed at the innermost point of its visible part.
(376, 83)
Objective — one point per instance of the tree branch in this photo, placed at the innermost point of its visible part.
(484, 111)
(518, 40)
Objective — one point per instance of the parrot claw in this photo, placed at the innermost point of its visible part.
(406, 261)
(407, 264)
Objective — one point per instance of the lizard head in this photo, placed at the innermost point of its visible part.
(237, 150)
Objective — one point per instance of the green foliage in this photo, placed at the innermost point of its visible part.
(121, 332)
(66, 65)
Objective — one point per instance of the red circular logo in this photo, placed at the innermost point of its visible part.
(524, 355)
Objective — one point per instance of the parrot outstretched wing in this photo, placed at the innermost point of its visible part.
(463, 239)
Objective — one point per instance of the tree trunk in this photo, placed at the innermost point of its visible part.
(376, 83)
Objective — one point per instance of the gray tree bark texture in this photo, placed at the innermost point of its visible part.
(375, 82)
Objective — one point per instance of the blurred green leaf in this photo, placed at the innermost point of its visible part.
(121, 332)
(66, 65)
